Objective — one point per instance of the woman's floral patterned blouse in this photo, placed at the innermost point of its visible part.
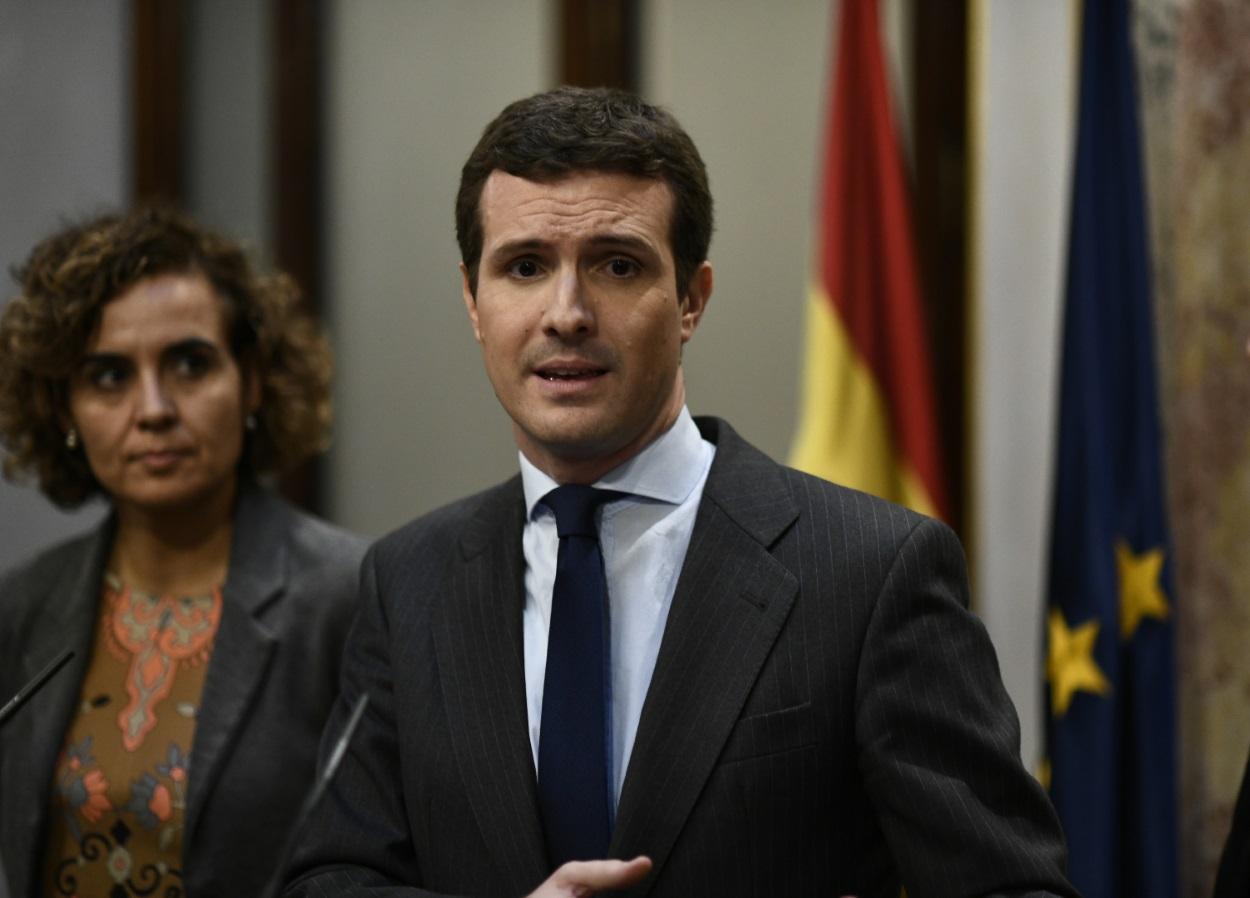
(120, 787)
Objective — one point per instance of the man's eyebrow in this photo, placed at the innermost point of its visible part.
(514, 247)
(611, 240)
(623, 241)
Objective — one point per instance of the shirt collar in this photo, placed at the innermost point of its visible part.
(667, 470)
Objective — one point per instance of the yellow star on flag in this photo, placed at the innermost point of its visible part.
(1070, 664)
(1141, 595)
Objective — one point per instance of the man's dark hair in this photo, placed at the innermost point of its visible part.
(574, 129)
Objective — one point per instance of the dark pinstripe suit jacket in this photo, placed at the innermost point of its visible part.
(825, 717)
(289, 598)
(1233, 879)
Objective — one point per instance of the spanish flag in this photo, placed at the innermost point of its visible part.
(868, 417)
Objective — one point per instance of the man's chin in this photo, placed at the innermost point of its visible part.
(583, 436)
(569, 442)
(578, 446)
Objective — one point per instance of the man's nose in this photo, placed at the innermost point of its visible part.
(156, 407)
(570, 309)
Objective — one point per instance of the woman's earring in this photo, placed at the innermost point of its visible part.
(250, 422)
(71, 439)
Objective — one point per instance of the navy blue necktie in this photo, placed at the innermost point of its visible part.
(573, 777)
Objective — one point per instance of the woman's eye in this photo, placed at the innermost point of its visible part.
(106, 377)
(524, 268)
(192, 364)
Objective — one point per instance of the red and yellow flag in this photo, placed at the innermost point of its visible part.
(867, 418)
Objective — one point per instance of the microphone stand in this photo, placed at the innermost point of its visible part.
(314, 797)
(36, 683)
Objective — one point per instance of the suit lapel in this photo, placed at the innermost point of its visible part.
(731, 601)
(243, 646)
(480, 654)
(72, 604)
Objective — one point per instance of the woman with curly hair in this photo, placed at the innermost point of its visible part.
(145, 361)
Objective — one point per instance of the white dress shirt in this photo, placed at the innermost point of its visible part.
(644, 538)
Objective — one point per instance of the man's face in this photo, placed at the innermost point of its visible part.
(578, 316)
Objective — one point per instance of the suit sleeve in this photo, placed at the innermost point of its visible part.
(939, 742)
(357, 842)
(1233, 877)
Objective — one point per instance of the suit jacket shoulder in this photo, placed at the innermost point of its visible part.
(430, 545)
(445, 526)
(768, 498)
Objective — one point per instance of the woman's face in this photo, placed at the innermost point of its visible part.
(158, 401)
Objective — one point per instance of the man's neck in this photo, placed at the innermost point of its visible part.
(586, 469)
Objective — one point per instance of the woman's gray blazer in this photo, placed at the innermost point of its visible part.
(289, 598)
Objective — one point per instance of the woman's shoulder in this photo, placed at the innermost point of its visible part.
(50, 564)
(60, 575)
(319, 539)
(266, 523)
(281, 549)
(261, 506)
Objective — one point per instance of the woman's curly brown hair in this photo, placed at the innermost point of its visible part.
(67, 280)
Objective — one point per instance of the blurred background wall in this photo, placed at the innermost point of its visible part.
(409, 88)
(64, 150)
(1022, 70)
(329, 136)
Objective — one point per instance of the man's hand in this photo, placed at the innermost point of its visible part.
(579, 878)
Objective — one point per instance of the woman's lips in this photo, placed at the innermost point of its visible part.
(161, 459)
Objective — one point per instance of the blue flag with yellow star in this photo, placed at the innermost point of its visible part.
(1111, 689)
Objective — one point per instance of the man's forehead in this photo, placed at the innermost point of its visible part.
(576, 198)
(572, 186)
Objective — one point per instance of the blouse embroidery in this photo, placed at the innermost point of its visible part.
(155, 634)
(120, 784)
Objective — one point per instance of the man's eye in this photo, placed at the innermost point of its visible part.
(524, 268)
(622, 268)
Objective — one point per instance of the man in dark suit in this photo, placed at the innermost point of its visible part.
(714, 675)
(1233, 876)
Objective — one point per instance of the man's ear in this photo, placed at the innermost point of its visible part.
(698, 292)
(470, 301)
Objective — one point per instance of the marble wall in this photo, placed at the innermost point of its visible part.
(1195, 83)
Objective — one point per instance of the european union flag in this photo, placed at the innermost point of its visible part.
(1111, 620)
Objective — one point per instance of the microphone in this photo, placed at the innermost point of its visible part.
(314, 797)
(34, 685)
